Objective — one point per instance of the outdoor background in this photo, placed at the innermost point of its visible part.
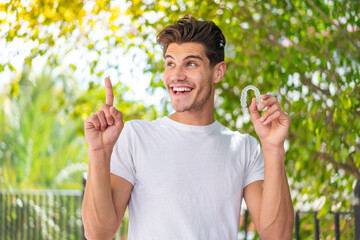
(55, 54)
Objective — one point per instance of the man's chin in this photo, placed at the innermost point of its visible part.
(180, 109)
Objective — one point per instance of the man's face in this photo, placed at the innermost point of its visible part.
(188, 76)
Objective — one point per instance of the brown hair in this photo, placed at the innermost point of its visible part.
(188, 29)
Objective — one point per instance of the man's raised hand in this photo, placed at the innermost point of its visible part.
(103, 128)
(273, 126)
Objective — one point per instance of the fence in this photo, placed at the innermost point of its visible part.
(40, 214)
(44, 215)
(334, 223)
(56, 214)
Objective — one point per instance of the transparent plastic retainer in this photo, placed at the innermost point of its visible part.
(244, 95)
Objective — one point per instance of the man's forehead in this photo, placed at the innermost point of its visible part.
(185, 49)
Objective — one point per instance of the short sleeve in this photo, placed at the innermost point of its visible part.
(122, 162)
(255, 164)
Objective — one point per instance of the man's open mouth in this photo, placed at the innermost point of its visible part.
(181, 90)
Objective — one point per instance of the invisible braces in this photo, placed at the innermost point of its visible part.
(244, 95)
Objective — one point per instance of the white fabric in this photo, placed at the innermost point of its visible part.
(188, 180)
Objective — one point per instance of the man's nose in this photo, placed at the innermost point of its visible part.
(178, 74)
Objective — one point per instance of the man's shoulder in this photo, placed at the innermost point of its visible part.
(237, 135)
(135, 124)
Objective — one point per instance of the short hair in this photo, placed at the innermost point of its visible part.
(188, 29)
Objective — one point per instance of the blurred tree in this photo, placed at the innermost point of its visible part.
(40, 146)
(305, 52)
(41, 138)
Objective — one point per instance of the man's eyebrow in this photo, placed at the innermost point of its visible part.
(194, 56)
(187, 57)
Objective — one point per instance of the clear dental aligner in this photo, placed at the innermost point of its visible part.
(244, 95)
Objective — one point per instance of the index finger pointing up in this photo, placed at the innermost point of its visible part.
(109, 92)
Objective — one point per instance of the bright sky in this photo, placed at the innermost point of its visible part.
(130, 65)
(129, 72)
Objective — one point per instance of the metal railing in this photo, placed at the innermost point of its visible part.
(40, 214)
(335, 223)
(308, 226)
(56, 214)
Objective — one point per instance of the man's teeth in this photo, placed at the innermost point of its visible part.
(181, 89)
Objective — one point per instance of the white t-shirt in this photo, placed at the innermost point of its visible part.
(188, 180)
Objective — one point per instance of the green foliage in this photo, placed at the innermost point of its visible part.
(42, 143)
(40, 146)
(305, 52)
(52, 29)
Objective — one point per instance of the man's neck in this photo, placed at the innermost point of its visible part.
(193, 118)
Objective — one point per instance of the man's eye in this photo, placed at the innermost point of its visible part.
(170, 64)
(191, 64)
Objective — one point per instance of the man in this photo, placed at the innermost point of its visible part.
(184, 176)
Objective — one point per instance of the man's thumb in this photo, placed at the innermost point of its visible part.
(254, 113)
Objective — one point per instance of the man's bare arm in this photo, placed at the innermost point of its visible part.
(106, 196)
(105, 199)
(269, 203)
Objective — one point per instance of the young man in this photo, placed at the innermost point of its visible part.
(184, 176)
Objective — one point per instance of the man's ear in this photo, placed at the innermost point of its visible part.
(219, 71)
